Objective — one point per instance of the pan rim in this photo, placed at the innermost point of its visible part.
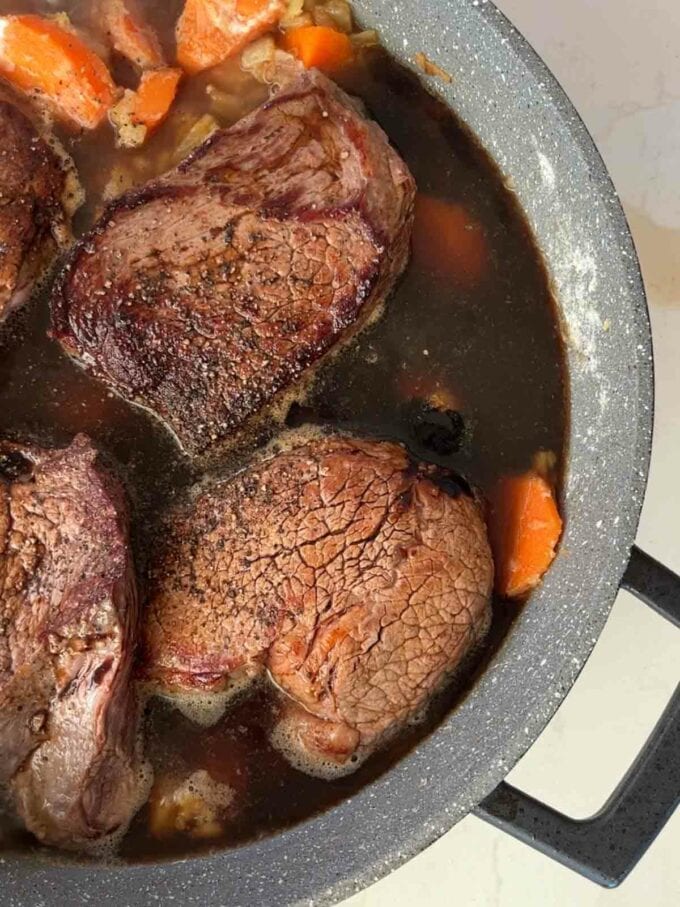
(359, 853)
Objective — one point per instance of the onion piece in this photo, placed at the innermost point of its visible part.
(120, 179)
(258, 53)
(340, 14)
(301, 21)
(197, 133)
(129, 134)
(225, 105)
(295, 8)
(321, 17)
(280, 70)
(368, 38)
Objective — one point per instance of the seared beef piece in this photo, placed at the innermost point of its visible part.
(359, 580)
(68, 611)
(206, 294)
(33, 221)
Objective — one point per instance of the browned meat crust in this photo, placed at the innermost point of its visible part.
(68, 611)
(207, 294)
(33, 222)
(356, 578)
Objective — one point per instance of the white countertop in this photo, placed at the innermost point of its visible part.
(619, 61)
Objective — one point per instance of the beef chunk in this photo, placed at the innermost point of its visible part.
(68, 610)
(210, 293)
(33, 221)
(357, 579)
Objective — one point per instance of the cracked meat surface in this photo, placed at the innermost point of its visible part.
(68, 610)
(356, 578)
(207, 294)
(33, 223)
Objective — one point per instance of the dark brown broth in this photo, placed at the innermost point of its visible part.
(495, 345)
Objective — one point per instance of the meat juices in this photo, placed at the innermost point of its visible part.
(34, 222)
(208, 294)
(358, 579)
(68, 603)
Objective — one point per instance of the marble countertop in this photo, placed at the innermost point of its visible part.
(619, 61)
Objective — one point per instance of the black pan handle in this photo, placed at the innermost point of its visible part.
(607, 846)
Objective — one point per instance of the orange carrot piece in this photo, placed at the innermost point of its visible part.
(140, 112)
(200, 43)
(209, 31)
(38, 55)
(248, 8)
(524, 528)
(319, 46)
(130, 34)
(447, 240)
(154, 96)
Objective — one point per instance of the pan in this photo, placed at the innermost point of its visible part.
(503, 91)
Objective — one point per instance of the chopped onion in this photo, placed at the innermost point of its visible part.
(340, 13)
(322, 17)
(195, 136)
(226, 106)
(119, 181)
(544, 462)
(128, 133)
(281, 69)
(295, 8)
(258, 53)
(63, 20)
(368, 38)
(301, 21)
(269, 65)
(230, 77)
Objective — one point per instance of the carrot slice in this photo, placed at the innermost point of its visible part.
(524, 528)
(130, 34)
(36, 54)
(209, 31)
(200, 43)
(154, 96)
(140, 112)
(319, 46)
(447, 240)
(249, 8)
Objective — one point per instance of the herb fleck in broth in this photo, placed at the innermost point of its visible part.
(491, 346)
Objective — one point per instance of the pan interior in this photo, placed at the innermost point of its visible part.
(520, 116)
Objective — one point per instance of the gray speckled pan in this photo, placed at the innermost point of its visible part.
(505, 93)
